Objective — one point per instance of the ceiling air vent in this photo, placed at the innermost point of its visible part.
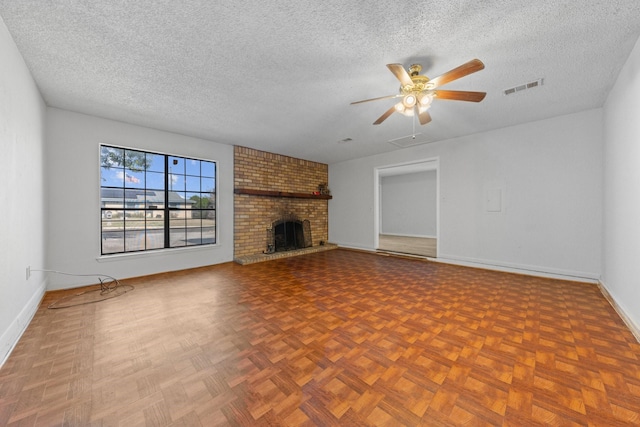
(408, 141)
(522, 87)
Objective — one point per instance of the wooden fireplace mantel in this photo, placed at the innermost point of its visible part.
(267, 193)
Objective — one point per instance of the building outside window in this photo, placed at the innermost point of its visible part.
(154, 201)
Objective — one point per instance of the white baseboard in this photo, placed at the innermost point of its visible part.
(635, 329)
(12, 335)
(530, 270)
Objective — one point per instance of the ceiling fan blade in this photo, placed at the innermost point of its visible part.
(386, 114)
(400, 73)
(458, 72)
(375, 99)
(424, 117)
(459, 95)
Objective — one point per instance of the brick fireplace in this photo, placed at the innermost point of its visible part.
(272, 189)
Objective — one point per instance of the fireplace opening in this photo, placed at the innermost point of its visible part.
(288, 234)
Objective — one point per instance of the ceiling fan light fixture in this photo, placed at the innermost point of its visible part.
(406, 111)
(400, 108)
(409, 100)
(425, 100)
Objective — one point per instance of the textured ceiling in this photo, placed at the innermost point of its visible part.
(279, 75)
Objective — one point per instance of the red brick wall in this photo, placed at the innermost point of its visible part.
(259, 170)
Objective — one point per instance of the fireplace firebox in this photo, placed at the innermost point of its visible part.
(288, 234)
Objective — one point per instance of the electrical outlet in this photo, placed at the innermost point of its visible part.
(28, 272)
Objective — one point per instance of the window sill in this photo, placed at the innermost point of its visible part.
(152, 253)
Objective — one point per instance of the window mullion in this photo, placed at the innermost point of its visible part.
(167, 178)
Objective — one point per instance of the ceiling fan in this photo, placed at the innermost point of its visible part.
(417, 91)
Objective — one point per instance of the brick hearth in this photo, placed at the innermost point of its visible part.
(252, 259)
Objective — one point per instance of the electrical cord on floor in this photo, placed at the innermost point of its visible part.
(110, 287)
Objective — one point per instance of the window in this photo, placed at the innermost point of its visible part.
(155, 201)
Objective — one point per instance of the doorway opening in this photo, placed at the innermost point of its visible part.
(407, 208)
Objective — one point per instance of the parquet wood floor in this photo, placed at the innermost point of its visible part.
(332, 338)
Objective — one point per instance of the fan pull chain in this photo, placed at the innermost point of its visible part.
(414, 124)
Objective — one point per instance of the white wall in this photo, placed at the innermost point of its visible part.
(621, 275)
(408, 204)
(73, 182)
(22, 226)
(548, 172)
